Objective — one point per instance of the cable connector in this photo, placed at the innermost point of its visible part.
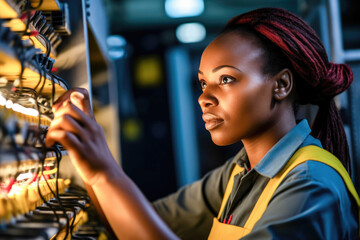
(34, 33)
(27, 15)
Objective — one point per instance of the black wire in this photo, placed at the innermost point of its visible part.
(61, 80)
(56, 195)
(74, 210)
(43, 72)
(42, 86)
(32, 41)
(58, 158)
(22, 63)
(69, 229)
(25, 89)
(47, 54)
(36, 93)
(41, 76)
(42, 158)
(20, 52)
(48, 45)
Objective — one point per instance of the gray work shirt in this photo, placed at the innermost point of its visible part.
(312, 202)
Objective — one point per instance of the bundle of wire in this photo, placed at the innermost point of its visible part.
(33, 97)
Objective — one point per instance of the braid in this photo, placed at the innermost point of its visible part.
(317, 80)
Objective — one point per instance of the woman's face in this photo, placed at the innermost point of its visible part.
(237, 96)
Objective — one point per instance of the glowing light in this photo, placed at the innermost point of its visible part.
(8, 104)
(184, 8)
(2, 101)
(117, 54)
(3, 80)
(116, 44)
(21, 109)
(18, 108)
(24, 176)
(190, 32)
(116, 41)
(31, 112)
(16, 82)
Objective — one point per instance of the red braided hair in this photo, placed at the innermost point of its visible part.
(317, 80)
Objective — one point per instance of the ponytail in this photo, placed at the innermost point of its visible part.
(328, 126)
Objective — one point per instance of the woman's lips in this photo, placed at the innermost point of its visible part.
(211, 121)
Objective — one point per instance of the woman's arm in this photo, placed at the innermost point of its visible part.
(99, 210)
(130, 215)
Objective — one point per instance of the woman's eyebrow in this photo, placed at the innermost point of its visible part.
(219, 67)
(223, 66)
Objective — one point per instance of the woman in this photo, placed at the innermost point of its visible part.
(280, 185)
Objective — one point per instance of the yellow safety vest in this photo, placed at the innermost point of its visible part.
(313, 153)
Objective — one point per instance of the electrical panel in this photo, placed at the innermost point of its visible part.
(36, 202)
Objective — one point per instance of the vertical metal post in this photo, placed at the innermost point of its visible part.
(182, 116)
(87, 48)
(354, 99)
(337, 50)
(324, 27)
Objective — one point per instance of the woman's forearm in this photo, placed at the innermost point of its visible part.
(129, 213)
(99, 210)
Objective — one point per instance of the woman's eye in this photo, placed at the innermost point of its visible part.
(226, 80)
(202, 84)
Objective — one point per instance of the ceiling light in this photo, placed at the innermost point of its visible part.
(184, 8)
(116, 46)
(190, 32)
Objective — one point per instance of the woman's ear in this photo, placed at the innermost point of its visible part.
(283, 84)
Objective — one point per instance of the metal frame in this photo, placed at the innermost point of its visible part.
(349, 99)
(182, 116)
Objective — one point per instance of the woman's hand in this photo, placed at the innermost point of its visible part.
(75, 128)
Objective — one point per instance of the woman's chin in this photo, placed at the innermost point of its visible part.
(221, 140)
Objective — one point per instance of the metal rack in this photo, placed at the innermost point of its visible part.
(30, 175)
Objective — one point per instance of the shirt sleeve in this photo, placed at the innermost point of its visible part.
(311, 203)
(189, 211)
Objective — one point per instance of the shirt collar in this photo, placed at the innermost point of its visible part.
(281, 152)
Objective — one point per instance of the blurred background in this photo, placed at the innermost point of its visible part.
(144, 57)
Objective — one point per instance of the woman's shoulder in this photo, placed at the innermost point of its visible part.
(320, 178)
(314, 171)
(313, 193)
(327, 173)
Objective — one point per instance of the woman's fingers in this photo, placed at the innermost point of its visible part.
(71, 119)
(74, 112)
(76, 129)
(65, 138)
(67, 123)
(60, 101)
(79, 97)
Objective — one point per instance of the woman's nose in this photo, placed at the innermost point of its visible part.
(207, 99)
